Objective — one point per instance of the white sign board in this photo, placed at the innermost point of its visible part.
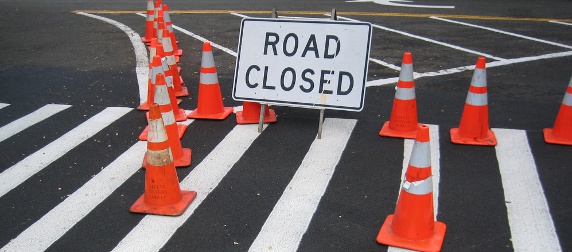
(304, 63)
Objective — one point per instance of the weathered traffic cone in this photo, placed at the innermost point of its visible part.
(561, 133)
(163, 194)
(209, 104)
(251, 113)
(474, 127)
(413, 225)
(181, 156)
(403, 121)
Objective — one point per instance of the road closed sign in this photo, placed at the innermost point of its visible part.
(303, 63)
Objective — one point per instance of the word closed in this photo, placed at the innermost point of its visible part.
(306, 63)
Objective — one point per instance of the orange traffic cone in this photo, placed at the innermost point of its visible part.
(149, 32)
(167, 95)
(561, 133)
(209, 105)
(413, 224)
(403, 121)
(163, 195)
(153, 70)
(251, 114)
(181, 156)
(180, 90)
(474, 127)
(169, 25)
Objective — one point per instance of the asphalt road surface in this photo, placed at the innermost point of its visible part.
(71, 78)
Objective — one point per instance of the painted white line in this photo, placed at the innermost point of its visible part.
(291, 216)
(402, 3)
(503, 32)
(428, 40)
(435, 169)
(154, 231)
(3, 105)
(23, 123)
(141, 58)
(505, 62)
(59, 220)
(37, 161)
(239, 15)
(385, 64)
(529, 217)
(213, 44)
(558, 22)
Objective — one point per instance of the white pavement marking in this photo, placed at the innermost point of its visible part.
(3, 105)
(213, 44)
(154, 231)
(428, 40)
(141, 58)
(40, 159)
(435, 169)
(505, 62)
(403, 3)
(503, 32)
(385, 64)
(40, 235)
(558, 22)
(531, 225)
(291, 216)
(30, 119)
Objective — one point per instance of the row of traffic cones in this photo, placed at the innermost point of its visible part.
(474, 126)
(163, 195)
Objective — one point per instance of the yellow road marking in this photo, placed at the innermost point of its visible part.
(343, 13)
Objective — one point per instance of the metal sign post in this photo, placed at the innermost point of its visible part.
(334, 17)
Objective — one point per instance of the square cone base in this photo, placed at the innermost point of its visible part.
(489, 140)
(550, 138)
(172, 209)
(144, 136)
(270, 117)
(183, 92)
(387, 237)
(183, 161)
(389, 132)
(219, 116)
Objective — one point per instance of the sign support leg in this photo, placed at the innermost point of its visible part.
(321, 123)
(261, 120)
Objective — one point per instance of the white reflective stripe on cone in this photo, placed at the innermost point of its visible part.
(168, 117)
(421, 187)
(567, 99)
(477, 99)
(405, 93)
(479, 78)
(420, 155)
(406, 73)
(161, 95)
(157, 126)
(167, 44)
(208, 78)
(207, 59)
